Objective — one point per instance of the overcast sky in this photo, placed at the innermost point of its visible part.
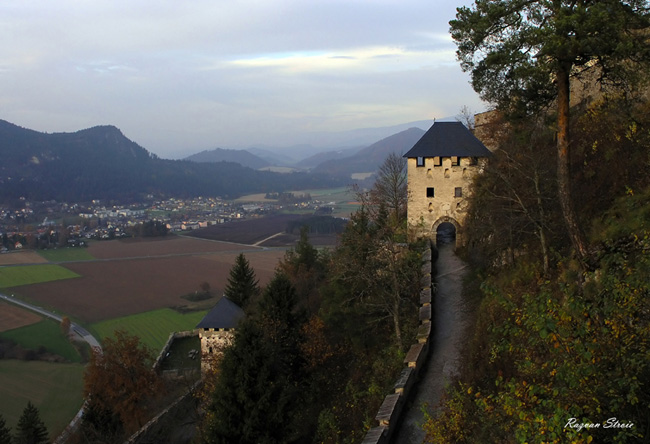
(179, 77)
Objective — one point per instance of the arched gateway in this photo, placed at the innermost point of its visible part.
(441, 166)
(446, 230)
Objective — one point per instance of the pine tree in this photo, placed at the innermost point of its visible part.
(30, 428)
(242, 285)
(5, 433)
(304, 266)
(258, 392)
(522, 56)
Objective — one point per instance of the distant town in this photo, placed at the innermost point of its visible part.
(51, 224)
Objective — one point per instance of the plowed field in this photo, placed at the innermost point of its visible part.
(20, 258)
(266, 231)
(134, 277)
(12, 317)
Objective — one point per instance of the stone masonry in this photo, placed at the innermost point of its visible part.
(441, 166)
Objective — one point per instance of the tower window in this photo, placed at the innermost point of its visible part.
(420, 161)
(430, 192)
(458, 192)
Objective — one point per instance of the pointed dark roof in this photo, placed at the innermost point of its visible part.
(446, 139)
(225, 314)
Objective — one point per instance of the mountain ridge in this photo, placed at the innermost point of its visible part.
(101, 163)
(371, 157)
(242, 157)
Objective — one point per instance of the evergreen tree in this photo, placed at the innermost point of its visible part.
(304, 267)
(522, 56)
(5, 433)
(242, 285)
(249, 402)
(30, 429)
(257, 395)
(307, 255)
(280, 318)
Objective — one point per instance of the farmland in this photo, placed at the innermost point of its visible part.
(266, 231)
(250, 231)
(46, 333)
(66, 255)
(115, 288)
(153, 327)
(54, 388)
(129, 285)
(31, 274)
(21, 257)
(12, 317)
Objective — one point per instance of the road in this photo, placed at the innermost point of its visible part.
(450, 332)
(78, 330)
(80, 333)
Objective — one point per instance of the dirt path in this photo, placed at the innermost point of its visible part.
(449, 334)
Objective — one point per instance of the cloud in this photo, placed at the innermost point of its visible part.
(358, 59)
(178, 76)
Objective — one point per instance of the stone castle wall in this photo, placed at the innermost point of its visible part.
(438, 191)
(213, 341)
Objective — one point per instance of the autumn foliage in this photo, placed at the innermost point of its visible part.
(556, 347)
(119, 385)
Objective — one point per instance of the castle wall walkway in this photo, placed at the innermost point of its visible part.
(450, 325)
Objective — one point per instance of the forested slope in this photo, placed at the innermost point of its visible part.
(559, 350)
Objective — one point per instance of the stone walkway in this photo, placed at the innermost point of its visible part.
(450, 325)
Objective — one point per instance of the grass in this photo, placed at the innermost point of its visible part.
(46, 333)
(293, 210)
(33, 274)
(152, 327)
(178, 354)
(342, 197)
(340, 192)
(66, 255)
(345, 210)
(55, 389)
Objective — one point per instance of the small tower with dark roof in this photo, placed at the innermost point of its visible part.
(217, 329)
(441, 166)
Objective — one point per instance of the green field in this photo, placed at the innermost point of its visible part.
(153, 327)
(341, 193)
(55, 389)
(66, 254)
(46, 333)
(343, 199)
(33, 274)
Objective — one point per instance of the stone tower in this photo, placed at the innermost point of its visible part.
(217, 329)
(441, 166)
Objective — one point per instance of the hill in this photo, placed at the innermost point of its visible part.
(320, 158)
(241, 157)
(370, 158)
(101, 163)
